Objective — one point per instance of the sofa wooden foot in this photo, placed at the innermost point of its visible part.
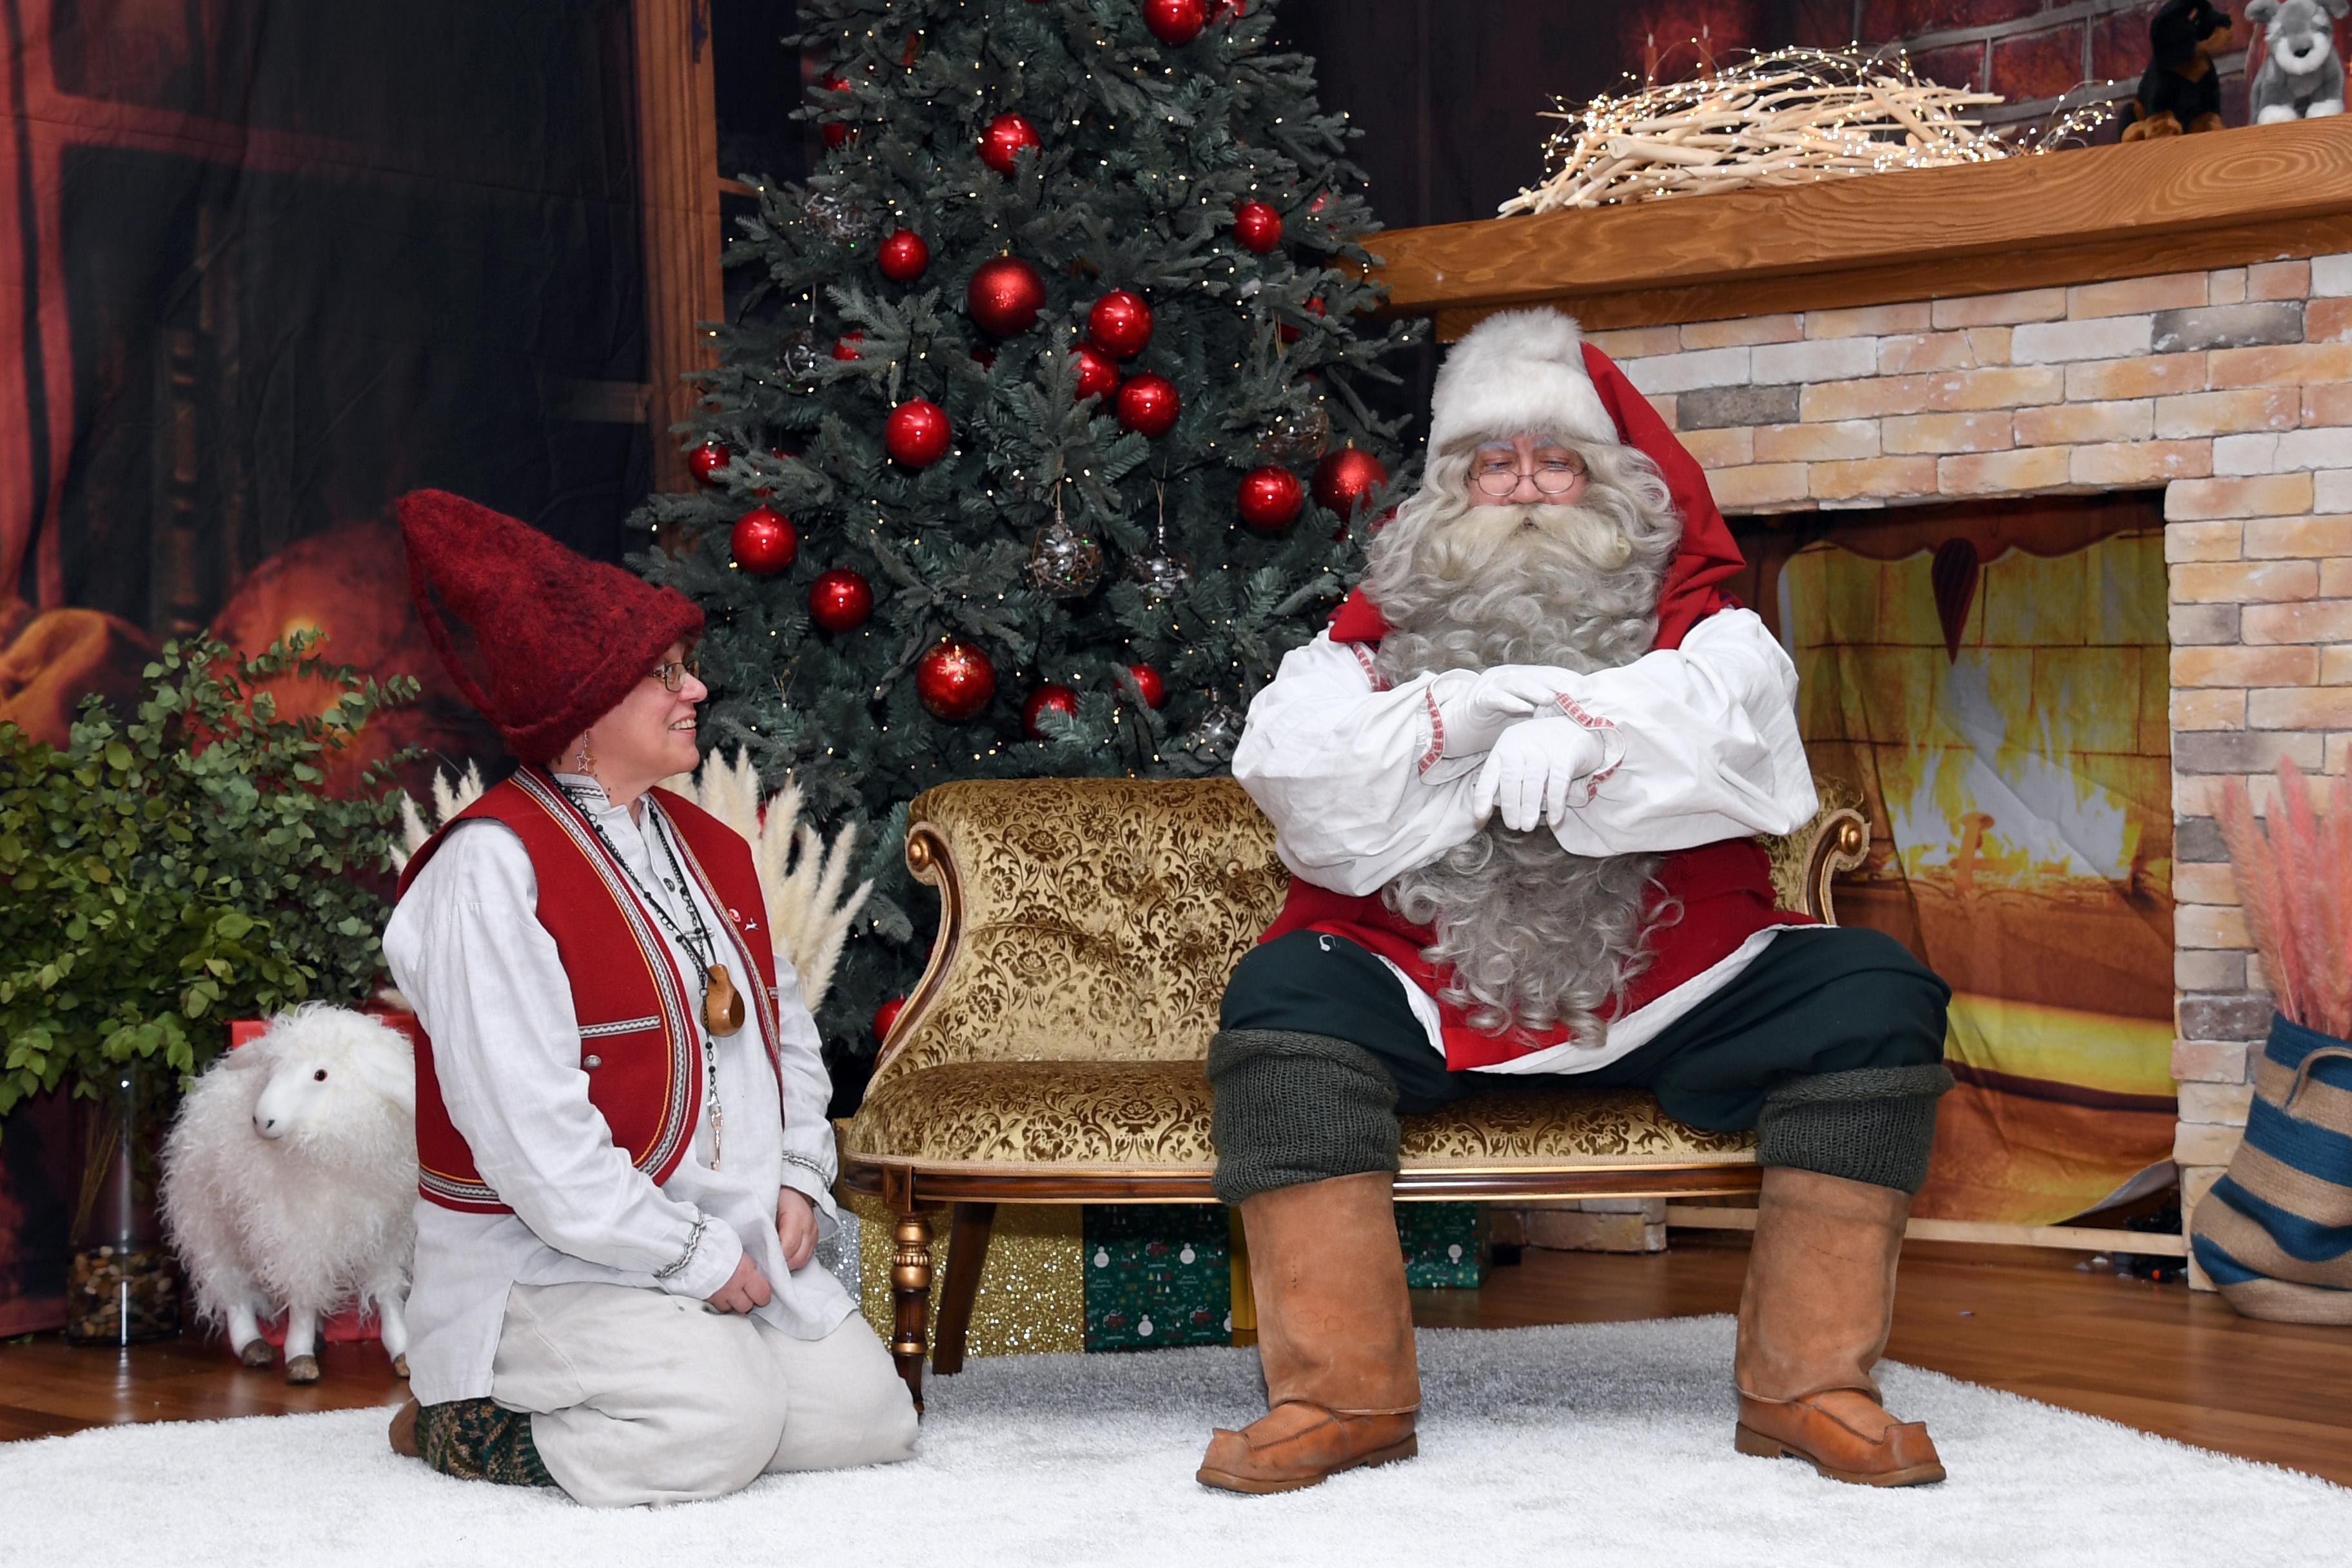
(911, 1294)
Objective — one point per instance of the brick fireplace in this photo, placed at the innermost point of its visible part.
(1989, 333)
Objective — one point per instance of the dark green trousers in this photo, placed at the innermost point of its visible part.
(1833, 1039)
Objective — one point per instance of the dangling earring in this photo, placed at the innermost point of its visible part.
(582, 762)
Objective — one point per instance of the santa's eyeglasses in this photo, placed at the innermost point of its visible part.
(1498, 474)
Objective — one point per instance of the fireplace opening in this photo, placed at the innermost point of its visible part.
(1993, 680)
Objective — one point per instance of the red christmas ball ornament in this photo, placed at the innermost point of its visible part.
(955, 680)
(763, 542)
(1006, 136)
(845, 345)
(840, 600)
(1176, 22)
(1270, 498)
(1257, 226)
(834, 132)
(706, 460)
(1097, 374)
(1345, 476)
(916, 432)
(887, 1014)
(1059, 698)
(1005, 295)
(903, 256)
(1149, 404)
(1290, 333)
(1119, 324)
(1147, 682)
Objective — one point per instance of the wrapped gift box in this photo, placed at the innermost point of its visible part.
(1157, 1275)
(1444, 1245)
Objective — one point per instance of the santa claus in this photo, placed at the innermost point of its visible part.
(1518, 784)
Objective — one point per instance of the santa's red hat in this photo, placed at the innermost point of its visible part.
(562, 638)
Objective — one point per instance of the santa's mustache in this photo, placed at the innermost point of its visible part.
(1521, 535)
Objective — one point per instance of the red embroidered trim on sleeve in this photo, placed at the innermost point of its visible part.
(1576, 711)
(1372, 669)
(1436, 733)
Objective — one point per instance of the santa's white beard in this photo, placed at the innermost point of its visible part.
(1532, 935)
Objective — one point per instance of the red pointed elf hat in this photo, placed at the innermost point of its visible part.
(562, 638)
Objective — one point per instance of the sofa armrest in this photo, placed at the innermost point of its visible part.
(1835, 840)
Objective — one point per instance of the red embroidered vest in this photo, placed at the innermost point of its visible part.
(637, 1013)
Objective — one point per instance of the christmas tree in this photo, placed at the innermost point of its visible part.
(1042, 433)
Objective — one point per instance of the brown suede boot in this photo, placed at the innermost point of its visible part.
(1813, 1319)
(1333, 1334)
(404, 1432)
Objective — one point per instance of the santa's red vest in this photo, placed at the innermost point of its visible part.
(638, 1039)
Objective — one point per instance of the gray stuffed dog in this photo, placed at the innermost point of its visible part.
(2301, 76)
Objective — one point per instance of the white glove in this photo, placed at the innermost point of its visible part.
(1496, 698)
(1529, 774)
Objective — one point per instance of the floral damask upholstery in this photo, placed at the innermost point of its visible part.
(1088, 929)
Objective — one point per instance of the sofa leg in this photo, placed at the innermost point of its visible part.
(1245, 1295)
(967, 1253)
(910, 1293)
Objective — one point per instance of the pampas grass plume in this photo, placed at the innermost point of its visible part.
(2294, 883)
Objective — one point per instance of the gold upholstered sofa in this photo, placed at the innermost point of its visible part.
(1052, 1052)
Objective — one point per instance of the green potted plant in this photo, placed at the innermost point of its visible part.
(163, 876)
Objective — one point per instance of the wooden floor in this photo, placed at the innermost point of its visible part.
(2155, 1357)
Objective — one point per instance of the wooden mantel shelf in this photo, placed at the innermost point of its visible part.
(2222, 199)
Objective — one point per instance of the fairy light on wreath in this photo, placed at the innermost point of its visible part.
(1791, 117)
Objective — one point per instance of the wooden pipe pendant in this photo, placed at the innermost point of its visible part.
(722, 1005)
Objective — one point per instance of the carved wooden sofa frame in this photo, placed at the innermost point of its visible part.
(1052, 1052)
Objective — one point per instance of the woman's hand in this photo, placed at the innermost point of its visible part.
(796, 1228)
(746, 1290)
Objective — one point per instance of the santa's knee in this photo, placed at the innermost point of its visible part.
(1291, 1107)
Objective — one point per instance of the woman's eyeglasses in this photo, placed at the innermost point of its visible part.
(1556, 473)
(673, 675)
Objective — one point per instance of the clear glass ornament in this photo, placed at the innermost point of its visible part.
(1297, 435)
(1161, 573)
(800, 357)
(1062, 562)
(838, 217)
(1214, 735)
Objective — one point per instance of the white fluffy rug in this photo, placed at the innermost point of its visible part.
(1596, 1444)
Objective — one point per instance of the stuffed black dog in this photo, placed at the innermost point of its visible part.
(2181, 91)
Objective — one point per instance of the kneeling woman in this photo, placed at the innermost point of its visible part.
(626, 1163)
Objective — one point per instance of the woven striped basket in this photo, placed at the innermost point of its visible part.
(2275, 1234)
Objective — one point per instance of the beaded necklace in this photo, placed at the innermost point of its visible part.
(722, 1005)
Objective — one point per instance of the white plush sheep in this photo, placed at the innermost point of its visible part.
(290, 1177)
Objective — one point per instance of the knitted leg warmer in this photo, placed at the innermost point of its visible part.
(1293, 1108)
(1873, 1124)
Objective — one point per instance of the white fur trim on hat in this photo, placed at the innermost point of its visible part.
(1514, 371)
